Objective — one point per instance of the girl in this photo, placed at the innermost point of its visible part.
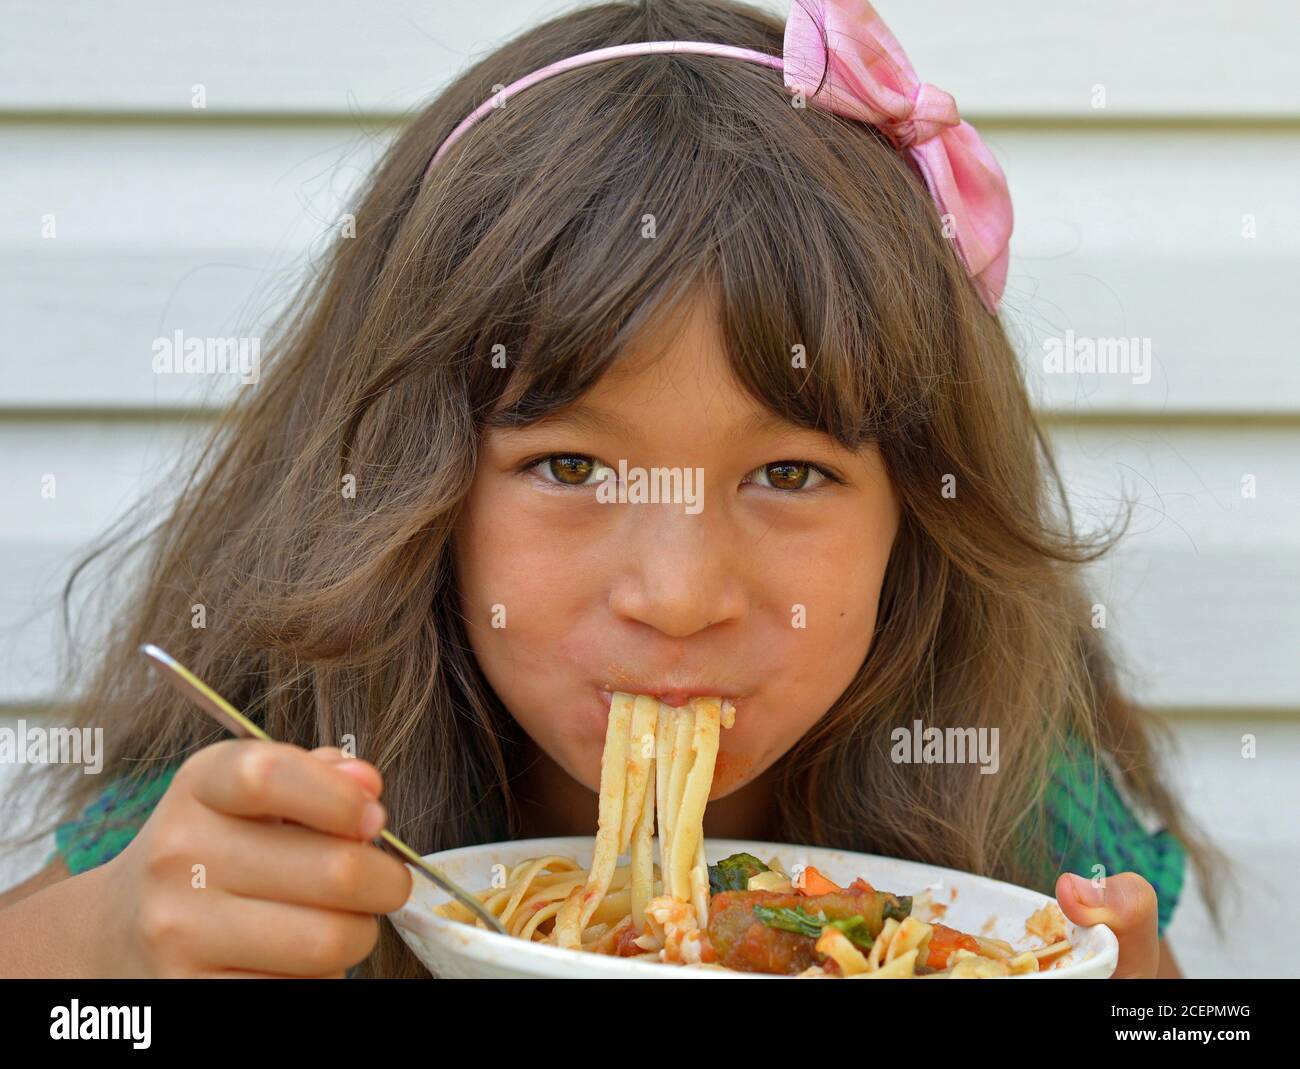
(402, 549)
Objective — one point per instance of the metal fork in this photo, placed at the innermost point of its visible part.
(230, 718)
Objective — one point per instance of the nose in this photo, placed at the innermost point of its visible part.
(679, 575)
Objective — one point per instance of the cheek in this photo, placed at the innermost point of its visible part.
(828, 588)
(521, 598)
(852, 561)
(843, 599)
(733, 768)
(815, 656)
(511, 572)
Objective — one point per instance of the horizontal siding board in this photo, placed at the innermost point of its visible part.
(1247, 807)
(1157, 58)
(159, 228)
(84, 329)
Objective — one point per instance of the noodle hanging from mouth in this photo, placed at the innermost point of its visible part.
(656, 772)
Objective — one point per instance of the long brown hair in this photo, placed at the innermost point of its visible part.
(331, 615)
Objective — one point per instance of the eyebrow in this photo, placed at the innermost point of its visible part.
(585, 418)
(598, 421)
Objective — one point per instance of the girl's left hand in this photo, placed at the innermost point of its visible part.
(1125, 903)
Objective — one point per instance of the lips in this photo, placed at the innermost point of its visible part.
(670, 694)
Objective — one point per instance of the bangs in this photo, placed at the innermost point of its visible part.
(665, 182)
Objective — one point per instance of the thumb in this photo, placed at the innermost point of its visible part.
(1126, 904)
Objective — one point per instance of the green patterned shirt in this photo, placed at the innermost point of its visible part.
(111, 821)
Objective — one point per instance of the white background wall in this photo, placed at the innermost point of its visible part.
(1131, 221)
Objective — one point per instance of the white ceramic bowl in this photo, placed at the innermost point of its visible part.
(451, 949)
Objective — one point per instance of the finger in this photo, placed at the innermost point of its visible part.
(257, 779)
(310, 869)
(1125, 903)
(253, 935)
(362, 771)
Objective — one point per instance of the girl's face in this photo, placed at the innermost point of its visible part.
(759, 584)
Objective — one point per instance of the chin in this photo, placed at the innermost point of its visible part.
(732, 771)
(581, 764)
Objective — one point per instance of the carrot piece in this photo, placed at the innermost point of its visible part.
(944, 940)
(814, 883)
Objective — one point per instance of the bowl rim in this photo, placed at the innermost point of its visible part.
(461, 938)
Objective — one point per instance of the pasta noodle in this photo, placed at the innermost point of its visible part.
(656, 773)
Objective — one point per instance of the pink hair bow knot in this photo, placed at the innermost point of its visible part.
(932, 111)
(844, 58)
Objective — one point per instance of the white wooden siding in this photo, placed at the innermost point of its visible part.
(1132, 220)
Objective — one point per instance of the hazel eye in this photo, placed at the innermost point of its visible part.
(571, 469)
(787, 475)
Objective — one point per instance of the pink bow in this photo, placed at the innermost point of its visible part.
(843, 56)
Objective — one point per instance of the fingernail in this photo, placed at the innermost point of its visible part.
(372, 820)
(1087, 892)
(349, 766)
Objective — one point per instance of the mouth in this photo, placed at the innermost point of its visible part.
(672, 694)
(735, 761)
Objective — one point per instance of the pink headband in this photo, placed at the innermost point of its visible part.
(845, 50)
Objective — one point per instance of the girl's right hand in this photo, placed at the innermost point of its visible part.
(255, 862)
